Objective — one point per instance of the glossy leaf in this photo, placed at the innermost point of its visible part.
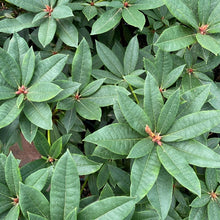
(118, 138)
(107, 21)
(192, 125)
(178, 167)
(144, 173)
(110, 208)
(65, 188)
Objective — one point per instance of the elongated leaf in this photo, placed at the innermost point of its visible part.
(168, 113)
(209, 43)
(9, 69)
(82, 64)
(131, 55)
(107, 21)
(47, 31)
(214, 16)
(65, 188)
(110, 208)
(92, 87)
(38, 179)
(134, 114)
(192, 125)
(62, 11)
(88, 109)
(200, 202)
(153, 101)
(17, 48)
(175, 38)
(198, 213)
(9, 112)
(27, 68)
(85, 166)
(178, 167)
(6, 92)
(144, 173)
(29, 5)
(39, 114)
(56, 148)
(160, 196)
(134, 17)
(67, 32)
(90, 12)
(28, 129)
(41, 143)
(12, 174)
(213, 210)
(13, 213)
(109, 59)
(182, 12)
(42, 91)
(32, 200)
(118, 138)
(32, 216)
(198, 154)
(5, 198)
(141, 148)
(48, 69)
(204, 7)
(13, 25)
(194, 100)
(146, 4)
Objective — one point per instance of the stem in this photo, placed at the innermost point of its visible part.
(48, 137)
(84, 185)
(132, 91)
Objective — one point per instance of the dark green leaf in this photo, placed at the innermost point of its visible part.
(41, 143)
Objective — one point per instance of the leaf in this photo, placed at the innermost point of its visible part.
(153, 101)
(85, 166)
(116, 208)
(211, 179)
(42, 91)
(144, 173)
(200, 202)
(90, 12)
(204, 7)
(198, 154)
(13, 213)
(118, 138)
(160, 195)
(38, 179)
(141, 148)
(109, 59)
(131, 55)
(134, 114)
(41, 144)
(214, 16)
(32, 200)
(28, 129)
(56, 148)
(39, 114)
(32, 216)
(198, 213)
(133, 17)
(5, 199)
(65, 188)
(9, 65)
(48, 69)
(47, 31)
(27, 67)
(88, 109)
(107, 21)
(92, 87)
(62, 11)
(67, 32)
(213, 210)
(6, 92)
(12, 174)
(82, 64)
(182, 12)
(168, 113)
(9, 112)
(194, 100)
(175, 38)
(146, 4)
(172, 77)
(192, 125)
(209, 43)
(178, 167)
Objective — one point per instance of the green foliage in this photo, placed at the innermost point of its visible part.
(121, 100)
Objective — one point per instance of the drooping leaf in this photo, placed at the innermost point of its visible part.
(144, 174)
(65, 188)
(118, 138)
(178, 167)
(192, 125)
(107, 21)
(110, 208)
